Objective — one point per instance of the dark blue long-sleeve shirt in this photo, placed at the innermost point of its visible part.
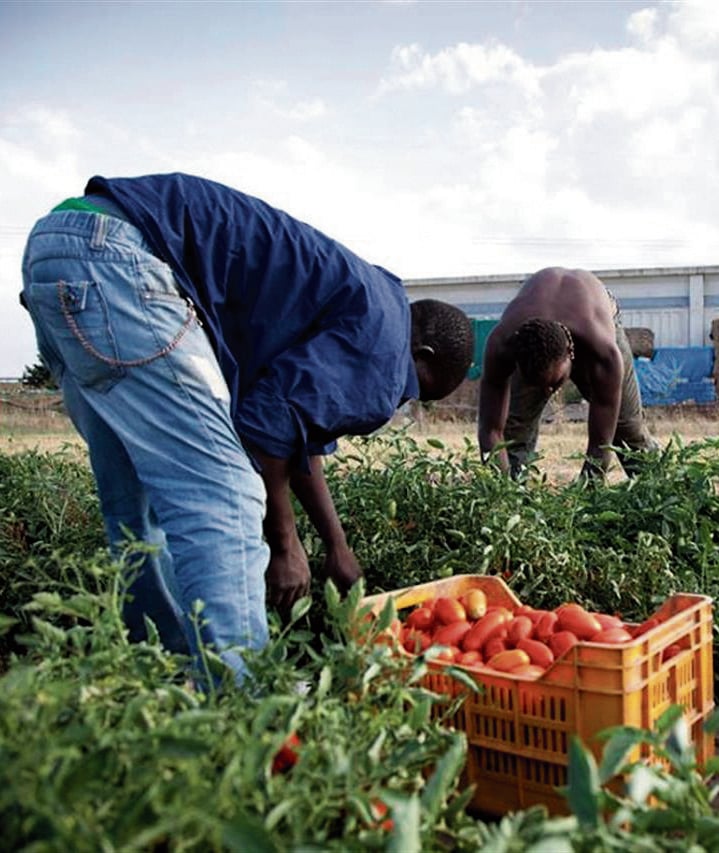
(314, 342)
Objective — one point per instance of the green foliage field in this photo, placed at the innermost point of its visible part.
(105, 745)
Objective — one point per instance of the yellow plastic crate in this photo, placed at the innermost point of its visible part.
(518, 729)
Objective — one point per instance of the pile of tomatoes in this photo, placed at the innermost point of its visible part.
(523, 641)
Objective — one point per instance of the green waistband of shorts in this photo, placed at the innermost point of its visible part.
(78, 204)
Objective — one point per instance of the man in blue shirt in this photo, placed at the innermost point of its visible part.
(199, 335)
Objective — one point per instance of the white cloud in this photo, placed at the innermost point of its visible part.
(308, 110)
(455, 70)
(695, 24)
(274, 95)
(601, 157)
(642, 25)
(49, 162)
(632, 84)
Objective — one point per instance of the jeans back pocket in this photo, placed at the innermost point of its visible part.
(73, 319)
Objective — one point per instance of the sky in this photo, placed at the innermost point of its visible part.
(434, 138)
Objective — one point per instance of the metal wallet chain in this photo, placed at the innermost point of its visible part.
(116, 362)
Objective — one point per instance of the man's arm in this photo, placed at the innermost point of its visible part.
(606, 383)
(288, 573)
(312, 492)
(493, 402)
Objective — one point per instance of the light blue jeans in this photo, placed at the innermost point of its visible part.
(143, 387)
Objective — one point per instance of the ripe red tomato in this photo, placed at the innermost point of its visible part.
(531, 612)
(416, 641)
(379, 813)
(527, 670)
(447, 654)
(647, 625)
(450, 635)
(287, 755)
(421, 618)
(671, 651)
(615, 636)
(508, 660)
(539, 653)
(469, 659)
(447, 610)
(481, 631)
(520, 628)
(561, 642)
(607, 621)
(574, 618)
(494, 645)
(546, 625)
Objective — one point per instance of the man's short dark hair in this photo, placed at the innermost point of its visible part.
(538, 344)
(448, 331)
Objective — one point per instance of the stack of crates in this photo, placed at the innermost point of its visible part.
(519, 729)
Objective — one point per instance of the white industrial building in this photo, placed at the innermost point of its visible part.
(677, 303)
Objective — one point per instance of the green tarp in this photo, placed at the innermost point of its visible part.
(482, 328)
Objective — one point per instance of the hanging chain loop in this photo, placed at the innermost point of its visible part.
(115, 362)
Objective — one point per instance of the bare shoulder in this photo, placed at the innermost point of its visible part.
(497, 359)
(557, 293)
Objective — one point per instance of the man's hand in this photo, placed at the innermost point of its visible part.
(341, 566)
(595, 466)
(288, 577)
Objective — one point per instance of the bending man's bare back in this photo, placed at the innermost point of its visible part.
(562, 324)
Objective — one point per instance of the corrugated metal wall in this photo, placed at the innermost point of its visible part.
(677, 303)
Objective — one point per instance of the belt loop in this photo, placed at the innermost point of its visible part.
(99, 232)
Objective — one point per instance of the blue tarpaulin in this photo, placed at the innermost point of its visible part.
(676, 375)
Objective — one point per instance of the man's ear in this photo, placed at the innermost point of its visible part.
(425, 351)
(424, 358)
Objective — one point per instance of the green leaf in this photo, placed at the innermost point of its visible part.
(711, 724)
(181, 747)
(583, 785)
(419, 712)
(300, 607)
(332, 596)
(6, 623)
(374, 753)
(442, 780)
(553, 844)
(243, 834)
(666, 721)
(405, 812)
(45, 601)
(608, 515)
(325, 682)
(707, 828)
(679, 741)
(48, 631)
(642, 781)
(436, 443)
(153, 635)
(389, 612)
(616, 751)
(464, 677)
(278, 812)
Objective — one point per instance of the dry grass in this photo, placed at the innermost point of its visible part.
(563, 442)
(33, 420)
(36, 421)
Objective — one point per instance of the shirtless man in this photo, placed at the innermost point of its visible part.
(563, 324)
